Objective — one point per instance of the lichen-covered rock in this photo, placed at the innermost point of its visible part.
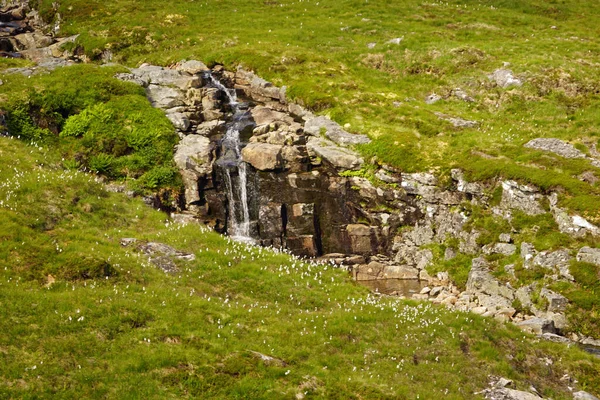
(557, 303)
(555, 146)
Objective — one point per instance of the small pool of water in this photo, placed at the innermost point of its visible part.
(396, 287)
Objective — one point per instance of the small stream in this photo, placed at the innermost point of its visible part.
(234, 169)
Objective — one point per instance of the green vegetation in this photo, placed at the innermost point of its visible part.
(84, 317)
(96, 122)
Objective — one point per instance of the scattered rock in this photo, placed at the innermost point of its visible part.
(462, 95)
(371, 45)
(268, 360)
(395, 40)
(432, 98)
(505, 78)
(457, 122)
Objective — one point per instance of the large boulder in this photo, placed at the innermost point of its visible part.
(317, 125)
(263, 156)
(165, 97)
(338, 157)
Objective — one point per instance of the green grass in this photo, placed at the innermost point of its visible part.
(319, 50)
(82, 316)
(97, 123)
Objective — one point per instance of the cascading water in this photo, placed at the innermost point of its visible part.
(234, 170)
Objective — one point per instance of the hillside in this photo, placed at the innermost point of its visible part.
(448, 145)
(84, 316)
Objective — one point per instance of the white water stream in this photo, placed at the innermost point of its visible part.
(238, 225)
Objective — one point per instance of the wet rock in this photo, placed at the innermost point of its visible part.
(555, 146)
(318, 125)
(589, 255)
(210, 128)
(263, 156)
(505, 78)
(537, 326)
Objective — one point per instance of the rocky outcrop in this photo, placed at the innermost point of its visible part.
(306, 193)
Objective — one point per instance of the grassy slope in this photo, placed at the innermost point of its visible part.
(138, 333)
(319, 49)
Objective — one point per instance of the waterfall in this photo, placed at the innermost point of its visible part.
(234, 170)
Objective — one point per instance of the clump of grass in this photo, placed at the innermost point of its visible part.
(98, 123)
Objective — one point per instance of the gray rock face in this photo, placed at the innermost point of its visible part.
(589, 255)
(521, 197)
(505, 78)
(333, 131)
(154, 75)
(555, 146)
